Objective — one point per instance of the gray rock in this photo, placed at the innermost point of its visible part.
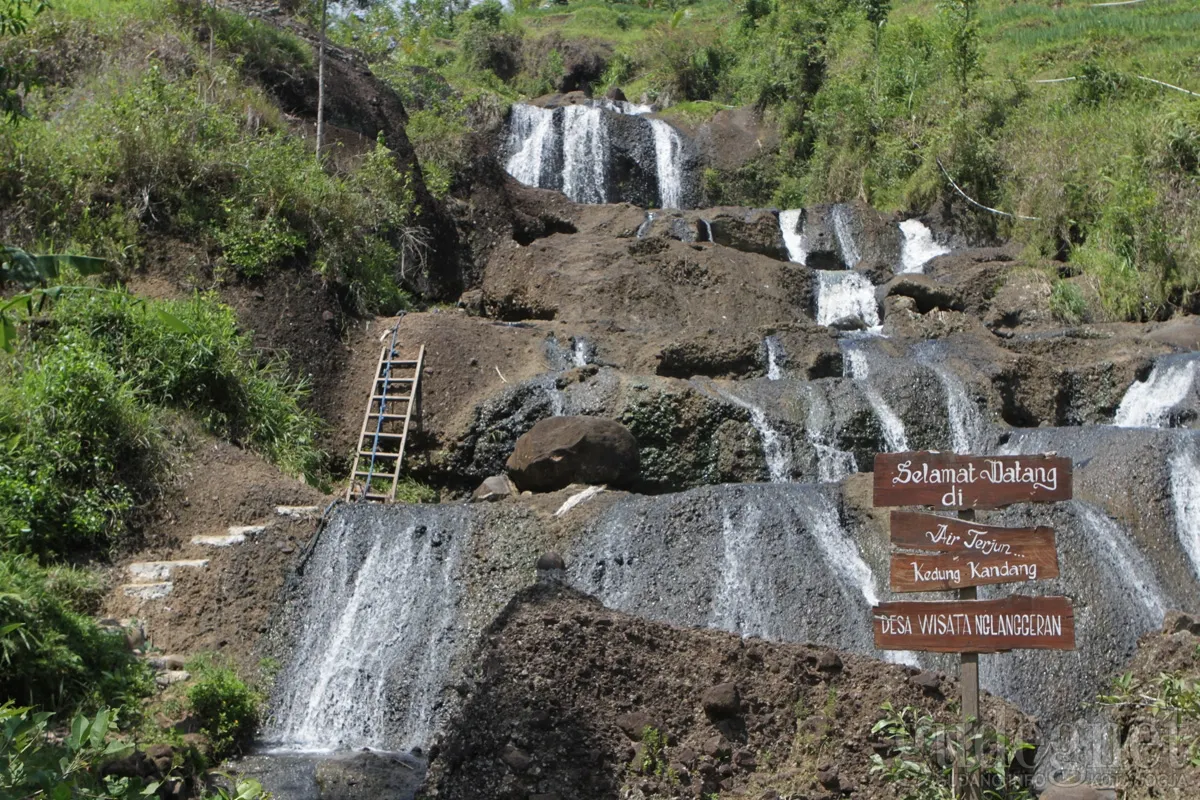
(563, 450)
(497, 487)
(1080, 792)
(368, 776)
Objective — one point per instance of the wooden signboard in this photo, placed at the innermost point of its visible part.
(976, 626)
(968, 553)
(950, 481)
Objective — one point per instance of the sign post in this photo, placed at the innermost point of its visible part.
(943, 554)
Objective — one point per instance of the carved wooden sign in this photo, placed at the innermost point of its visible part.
(967, 553)
(951, 481)
(976, 626)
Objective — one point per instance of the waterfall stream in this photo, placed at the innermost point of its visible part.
(378, 633)
(1149, 403)
(840, 215)
(1185, 496)
(668, 152)
(583, 150)
(919, 246)
(858, 367)
(846, 300)
(775, 358)
(793, 238)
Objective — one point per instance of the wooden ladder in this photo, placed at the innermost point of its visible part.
(395, 391)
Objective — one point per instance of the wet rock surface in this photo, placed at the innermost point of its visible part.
(560, 451)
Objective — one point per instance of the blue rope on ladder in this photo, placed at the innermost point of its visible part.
(387, 377)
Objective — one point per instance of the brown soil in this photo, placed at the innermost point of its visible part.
(1155, 758)
(226, 605)
(564, 688)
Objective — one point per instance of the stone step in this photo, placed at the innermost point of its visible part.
(147, 591)
(158, 571)
(246, 530)
(298, 512)
(219, 540)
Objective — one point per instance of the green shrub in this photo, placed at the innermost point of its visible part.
(1067, 303)
(52, 652)
(80, 450)
(226, 708)
(207, 368)
(32, 765)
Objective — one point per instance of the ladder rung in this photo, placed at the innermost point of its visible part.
(382, 379)
(383, 435)
(378, 455)
(400, 363)
(392, 398)
(385, 416)
(376, 496)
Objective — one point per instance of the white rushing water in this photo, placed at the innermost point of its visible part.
(842, 221)
(1185, 496)
(668, 161)
(832, 464)
(919, 246)
(532, 142)
(582, 352)
(858, 367)
(743, 599)
(377, 637)
(570, 148)
(793, 238)
(1148, 403)
(967, 427)
(775, 358)
(777, 448)
(585, 154)
(1113, 545)
(846, 300)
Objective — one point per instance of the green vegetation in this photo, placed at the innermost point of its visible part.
(878, 102)
(114, 160)
(82, 413)
(927, 758)
(52, 652)
(225, 706)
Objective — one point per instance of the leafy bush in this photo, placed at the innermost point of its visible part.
(226, 708)
(201, 155)
(1067, 303)
(79, 412)
(53, 653)
(206, 367)
(31, 766)
(928, 757)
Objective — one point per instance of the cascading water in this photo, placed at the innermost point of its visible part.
(582, 352)
(846, 300)
(1112, 545)
(793, 238)
(1185, 495)
(765, 559)
(533, 142)
(858, 367)
(585, 154)
(378, 631)
(668, 160)
(919, 246)
(775, 358)
(743, 602)
(777, 448)
(967, 427)
(572, 148)
(833, 464)
(844, 231)
(1149, 403)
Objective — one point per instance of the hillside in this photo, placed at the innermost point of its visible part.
(743, 247)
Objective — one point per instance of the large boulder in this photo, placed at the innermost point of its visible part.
(560, 451)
